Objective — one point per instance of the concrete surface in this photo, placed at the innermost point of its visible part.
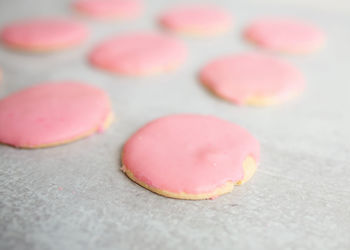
(75, 197)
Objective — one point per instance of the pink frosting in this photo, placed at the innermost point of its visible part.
(283, 34)
(238, 77)
(44, 34)
(110, 8)
(189, 153)
(203, 19)
(139, 53)
(51, 113)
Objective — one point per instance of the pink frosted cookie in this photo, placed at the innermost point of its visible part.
(190, 156)
(107, 9)
(252, 79)
(44, 34)
(286, 35)
(202, 20)
(53, 113)
(141, 53)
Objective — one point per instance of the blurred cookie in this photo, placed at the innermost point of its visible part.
(109, 9)
(252, 79)
(42, 35)
(53, 113)
(140, 53)
(285, 35)
(198, 20)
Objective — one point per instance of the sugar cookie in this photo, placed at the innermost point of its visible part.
(107, 9)
(190, 156)
(141, 53)
(201, 20)
(252, 78)
(285, 35)
(53, 113)
(42, 35)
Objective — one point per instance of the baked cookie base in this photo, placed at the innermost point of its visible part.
(145, 73)
(249, 167)
(104, 126)
(198, 33)
(104, 18)
(258, 100)
(292, 51)
(41, 49)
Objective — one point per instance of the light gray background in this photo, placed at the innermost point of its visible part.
(75, 197)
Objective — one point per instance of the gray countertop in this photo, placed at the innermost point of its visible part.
(75, 197)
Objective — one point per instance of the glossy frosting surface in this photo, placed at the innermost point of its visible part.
(139, 53)
(197, 19)
(110, 8)
(189, 153)
(52, 112)
(242, 76)
(287, 35)
(45, 33)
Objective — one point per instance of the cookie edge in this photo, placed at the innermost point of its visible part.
(249, 167)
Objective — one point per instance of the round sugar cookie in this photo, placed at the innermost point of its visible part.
(201, 20)
(252, 79)
(107, 9)
(141, 53)
(53, 113)
(285, 35)
(42, 35)
(189, 156)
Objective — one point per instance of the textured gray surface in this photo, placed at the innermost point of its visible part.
(75, 197)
